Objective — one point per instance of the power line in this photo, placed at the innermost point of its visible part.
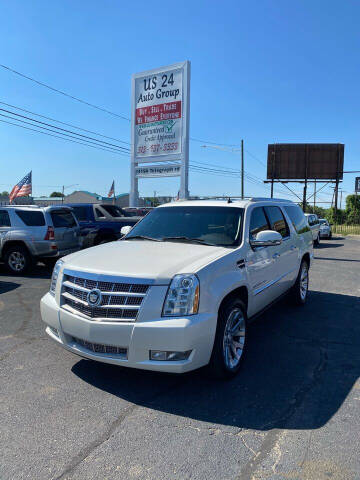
(64, 123)
(62, 138)
(64, 93)
(123, 117)
(213, 143)
(62, 130)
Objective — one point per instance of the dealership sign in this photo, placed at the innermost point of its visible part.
(160, 121)
(158, 113)
(158, 171)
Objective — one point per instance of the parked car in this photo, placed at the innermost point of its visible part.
(138, 211)
(30, 233)
(325, 228)
(314, 225)
(101, 223)
(177, 292)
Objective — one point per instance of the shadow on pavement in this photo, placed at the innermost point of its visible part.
(38, 271)
(328, 245)
(8, 286)
(301, 364)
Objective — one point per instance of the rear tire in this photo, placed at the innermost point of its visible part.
(300, 289)
(230, 340)
(17, 260)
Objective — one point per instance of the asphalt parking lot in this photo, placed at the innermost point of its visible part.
(292, 413)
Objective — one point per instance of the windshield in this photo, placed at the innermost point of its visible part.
(220, 226)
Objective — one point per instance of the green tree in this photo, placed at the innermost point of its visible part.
(352, 210)
(56, 194)
(4, 193)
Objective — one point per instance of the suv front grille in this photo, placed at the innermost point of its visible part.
(110, 350)
(119, 301)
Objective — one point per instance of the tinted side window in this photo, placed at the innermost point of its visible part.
(99, 213)
(31, 218)
(80, 213)
(310, 220)
(297, 218)
(4, 219)
(63, 218)
(277, 221)
(258, 222)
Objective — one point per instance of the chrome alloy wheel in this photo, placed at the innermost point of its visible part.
(304, 281)
(17, 261)
(234, 338)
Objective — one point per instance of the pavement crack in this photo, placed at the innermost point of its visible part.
(86, 451)
(104, 437)
(273, 436)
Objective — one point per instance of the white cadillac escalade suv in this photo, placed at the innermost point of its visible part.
(177, 292)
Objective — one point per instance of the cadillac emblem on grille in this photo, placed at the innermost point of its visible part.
(94, 297)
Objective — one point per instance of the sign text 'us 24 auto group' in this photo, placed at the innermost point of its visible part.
(158, 114)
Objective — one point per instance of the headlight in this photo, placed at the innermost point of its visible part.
(183, 296)
(54, 276)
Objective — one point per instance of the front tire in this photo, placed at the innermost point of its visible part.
(300, 289)
(230, 340)
(317, 241)
(17, 260)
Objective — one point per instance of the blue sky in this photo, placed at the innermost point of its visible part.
(265, 71)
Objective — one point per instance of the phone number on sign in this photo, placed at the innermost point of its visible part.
(157, 147)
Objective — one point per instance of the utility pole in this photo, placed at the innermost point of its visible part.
(242, 169)
(340, 198)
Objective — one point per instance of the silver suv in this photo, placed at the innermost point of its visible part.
(30, 233)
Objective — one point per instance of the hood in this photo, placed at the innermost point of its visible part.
(155, 261)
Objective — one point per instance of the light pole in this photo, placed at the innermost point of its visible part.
(233, 150)
(63, 189)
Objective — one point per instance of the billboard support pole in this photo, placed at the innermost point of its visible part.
(314, 195)
(272, 171)
(306, 173)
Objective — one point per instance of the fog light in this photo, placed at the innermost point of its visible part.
(54, 331)
(163, 356)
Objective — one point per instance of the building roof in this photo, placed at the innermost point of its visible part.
(96, 195)
(48, 199)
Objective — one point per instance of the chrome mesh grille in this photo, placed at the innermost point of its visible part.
(110, 350)
(119, 301)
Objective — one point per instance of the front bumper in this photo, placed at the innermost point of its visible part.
(195, 333)
(61, 253)
(325, 234)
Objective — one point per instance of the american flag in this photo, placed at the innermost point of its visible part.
(23, 188)
(112, 189)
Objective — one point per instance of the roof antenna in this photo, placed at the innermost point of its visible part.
(229, 200)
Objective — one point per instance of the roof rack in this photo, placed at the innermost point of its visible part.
(22, 206)
(262, 199)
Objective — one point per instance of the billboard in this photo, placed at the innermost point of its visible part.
(155, 171)
(299, 161)
(357, 184)
(160, 109)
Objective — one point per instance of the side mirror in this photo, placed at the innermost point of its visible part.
(125, 230)
(266, 238)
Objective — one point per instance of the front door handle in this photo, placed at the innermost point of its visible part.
(276, 255)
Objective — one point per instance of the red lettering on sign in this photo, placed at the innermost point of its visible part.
(155, 113)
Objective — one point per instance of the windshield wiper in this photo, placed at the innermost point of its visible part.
(188, 240)
(142, 237)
